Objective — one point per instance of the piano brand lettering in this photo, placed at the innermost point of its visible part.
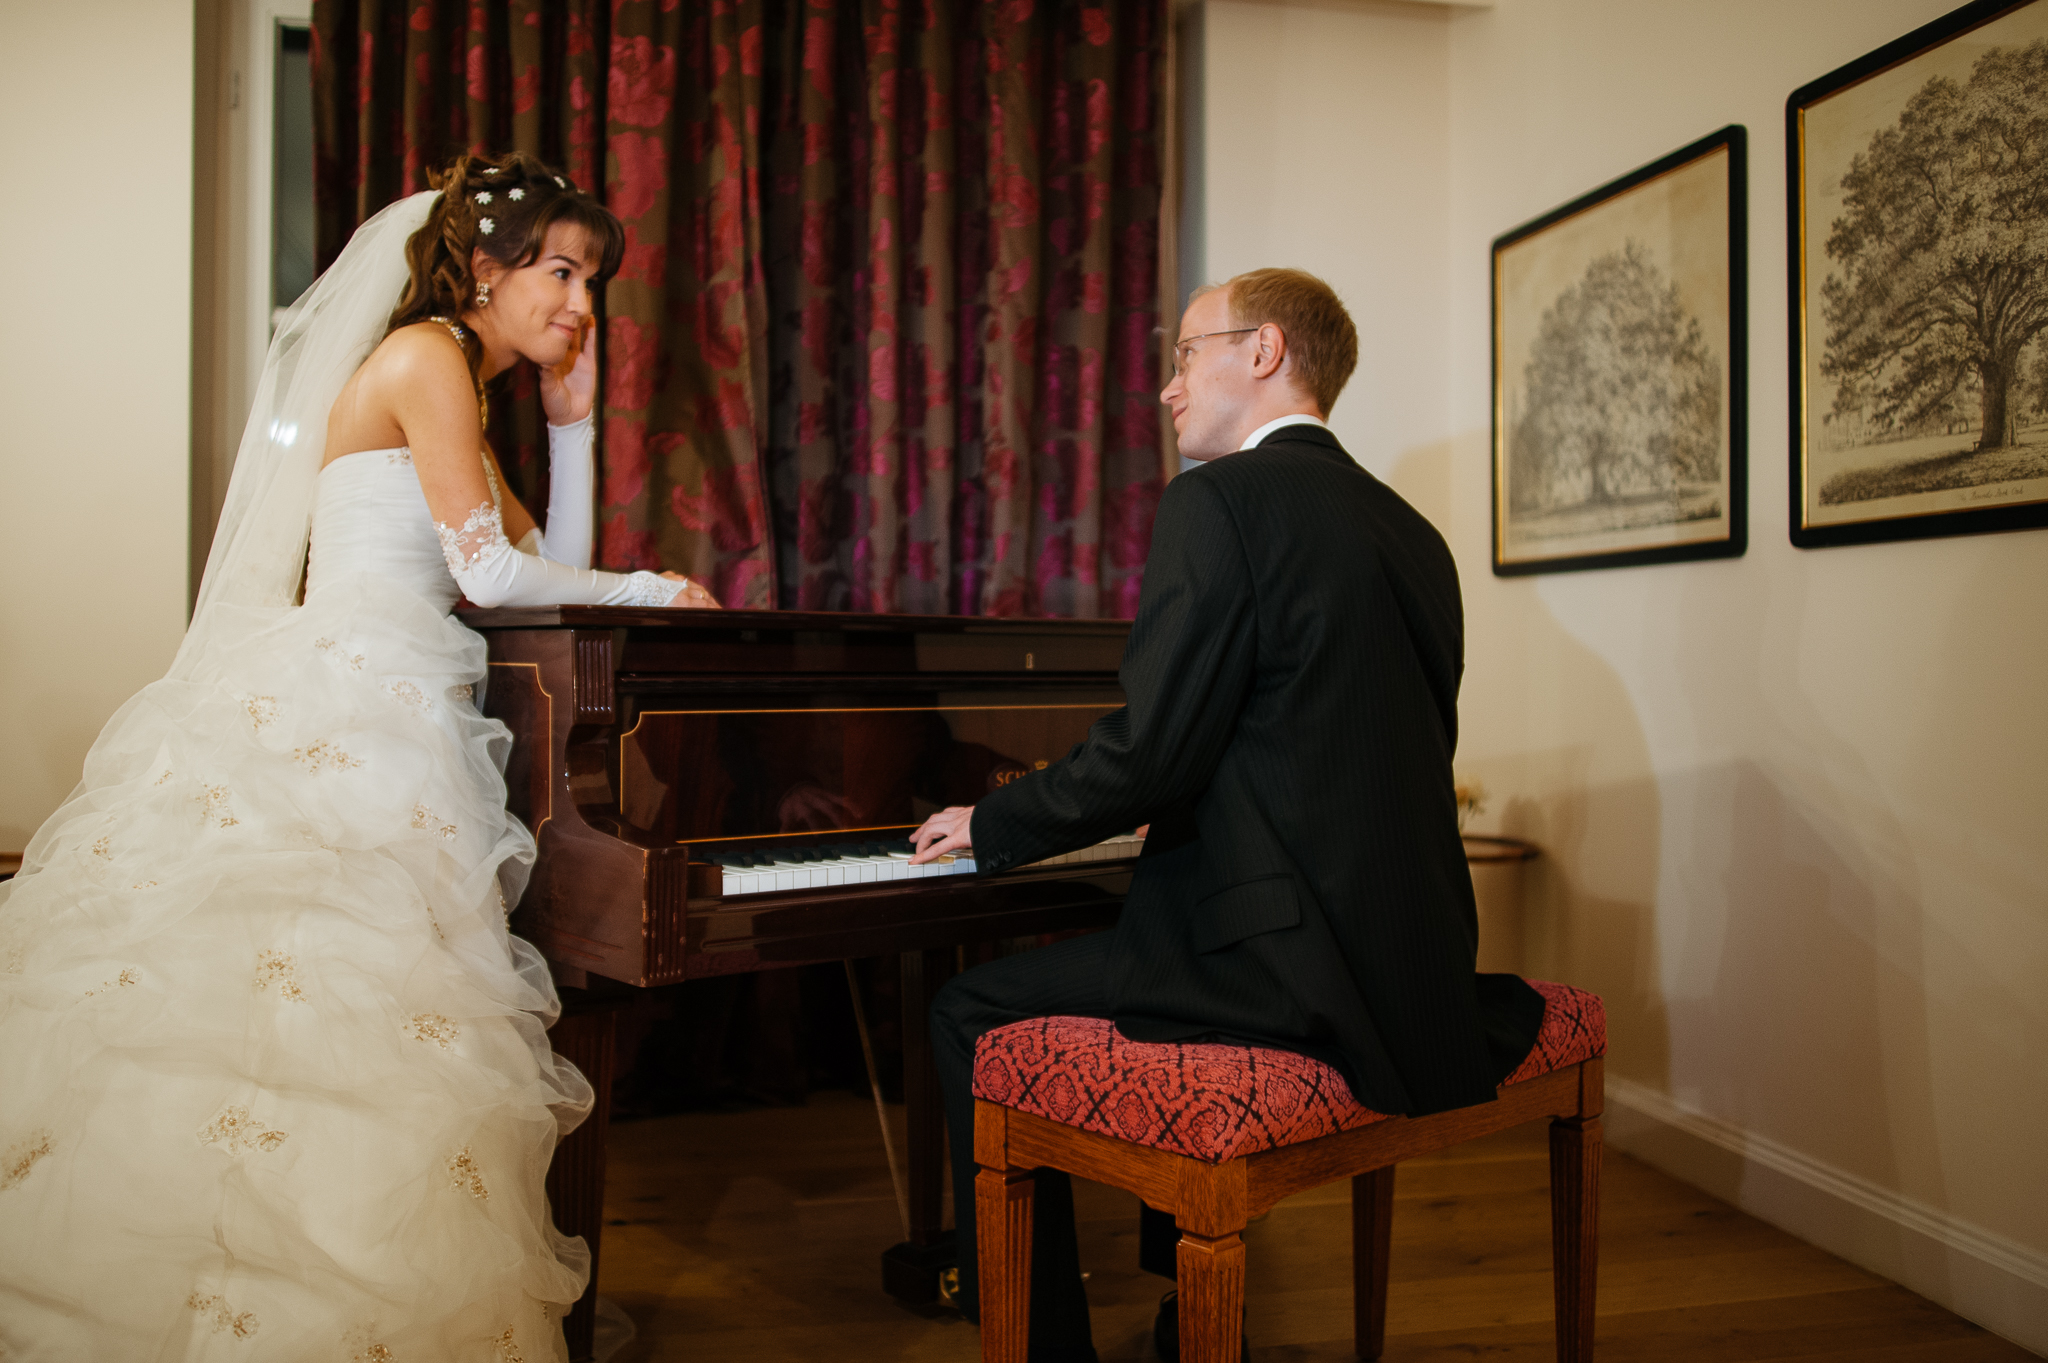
(1002, 776)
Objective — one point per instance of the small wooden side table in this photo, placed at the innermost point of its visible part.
(1497, 885)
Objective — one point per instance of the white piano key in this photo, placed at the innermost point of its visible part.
(782, 876)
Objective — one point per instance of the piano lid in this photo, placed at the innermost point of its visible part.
(660, 641)
(625, 617)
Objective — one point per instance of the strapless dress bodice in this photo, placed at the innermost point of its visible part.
(370, 517)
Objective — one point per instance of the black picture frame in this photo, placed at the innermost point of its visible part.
(1824, 472)
(1612, 548)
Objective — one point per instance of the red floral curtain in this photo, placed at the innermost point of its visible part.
(885, 338)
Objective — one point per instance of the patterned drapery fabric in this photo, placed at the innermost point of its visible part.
(886, 334)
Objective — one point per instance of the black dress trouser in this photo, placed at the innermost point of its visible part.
(1068, 979)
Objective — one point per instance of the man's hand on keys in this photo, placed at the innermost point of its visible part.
(946, 831)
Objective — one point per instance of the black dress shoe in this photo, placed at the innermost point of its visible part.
(1166, 1330)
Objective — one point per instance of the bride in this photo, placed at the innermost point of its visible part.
(274, 1079)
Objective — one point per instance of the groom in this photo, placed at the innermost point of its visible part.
(1292, 685)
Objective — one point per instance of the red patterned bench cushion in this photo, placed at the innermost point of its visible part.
(1215, 1102)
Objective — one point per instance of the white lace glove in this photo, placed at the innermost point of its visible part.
(492, 573)
(572, 477)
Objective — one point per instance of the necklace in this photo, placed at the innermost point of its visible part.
(461, 335)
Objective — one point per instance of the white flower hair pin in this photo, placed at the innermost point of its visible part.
(490, 170)
(560, 181)
(516, 195)
(486, 226)
(485, 197)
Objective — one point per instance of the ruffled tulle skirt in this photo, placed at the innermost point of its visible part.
(274, 1080)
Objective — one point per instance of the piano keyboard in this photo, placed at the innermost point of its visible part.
(874, 863)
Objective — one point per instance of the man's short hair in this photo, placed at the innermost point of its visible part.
(1320, 336)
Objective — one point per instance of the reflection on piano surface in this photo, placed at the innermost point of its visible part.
(653, 750)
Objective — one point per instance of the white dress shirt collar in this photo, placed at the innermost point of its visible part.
(1291, 419)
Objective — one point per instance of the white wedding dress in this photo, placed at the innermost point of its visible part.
(274, 1077)
(276, 1084)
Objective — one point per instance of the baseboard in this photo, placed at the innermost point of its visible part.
(1999, 1283)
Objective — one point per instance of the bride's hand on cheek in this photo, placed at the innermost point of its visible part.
(568, 389)
(693, 595)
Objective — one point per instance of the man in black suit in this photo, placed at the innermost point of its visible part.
(1292, 684)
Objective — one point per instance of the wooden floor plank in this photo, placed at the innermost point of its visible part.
(754, 1237)
(1869, 1323)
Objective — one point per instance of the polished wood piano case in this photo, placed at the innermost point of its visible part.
(646, 742)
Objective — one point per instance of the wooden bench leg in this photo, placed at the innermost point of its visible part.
(1372, 1230)
(1211, 1276)
(1002, 1223)
(1575, 1146)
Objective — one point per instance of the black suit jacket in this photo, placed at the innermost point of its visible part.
(1292, 684)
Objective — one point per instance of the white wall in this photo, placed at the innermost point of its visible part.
(1307, 159)
(95, 378)
(1794, 807)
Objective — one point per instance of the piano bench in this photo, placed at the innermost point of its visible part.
(1216, 1134)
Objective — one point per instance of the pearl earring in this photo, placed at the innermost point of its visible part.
(483, 294)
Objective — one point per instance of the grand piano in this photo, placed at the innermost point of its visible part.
(726, 791)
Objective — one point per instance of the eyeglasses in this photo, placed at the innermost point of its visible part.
(1180, 348)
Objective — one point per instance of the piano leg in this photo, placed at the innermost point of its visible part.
(585, 1036)
(910, 1271)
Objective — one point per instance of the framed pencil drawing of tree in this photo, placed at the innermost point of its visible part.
(1918, 197)
(1619, 348)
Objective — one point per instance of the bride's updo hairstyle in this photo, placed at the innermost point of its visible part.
(504, 205)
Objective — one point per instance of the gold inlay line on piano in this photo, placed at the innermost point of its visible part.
(544, 744)
(852, 710)
(808, 833)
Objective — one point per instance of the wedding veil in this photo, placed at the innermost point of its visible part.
(259, 547)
